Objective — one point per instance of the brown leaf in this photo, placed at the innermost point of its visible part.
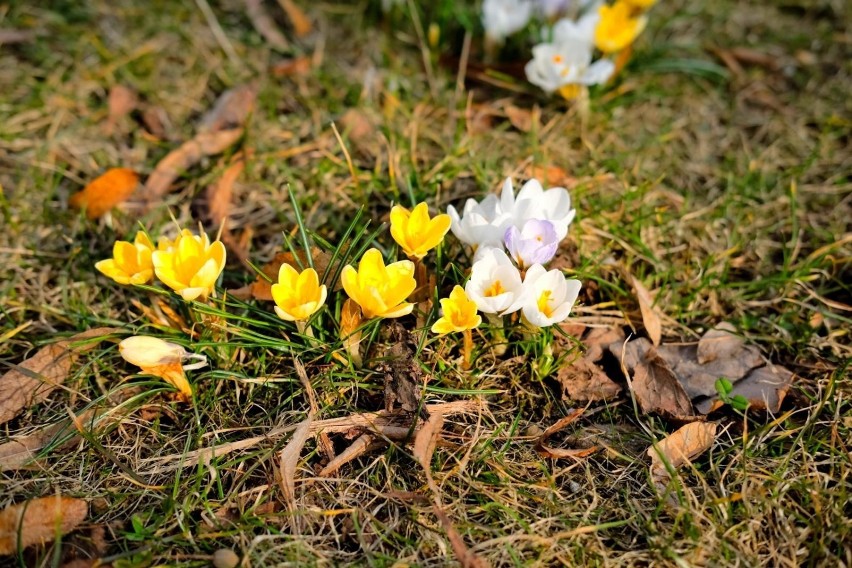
(301, 24)
(231, 110)
(187, 155)
(289, 67)
(677, 449)
(700, 379)
(17, 452)
(39, 521)
(599, 338)
(582, 380)
(360, 129)
(718, 343)
(105, 192)
(220, 194)
(466, 557)
(155, 119)
(121, 102)
(34, 379)
(552, 175)
(649, 314)
(262, 288)
(657, 389)
(521, 118)
(289, 459)
(427, 439)
(541, 444)
(403, 375)
(265, 25)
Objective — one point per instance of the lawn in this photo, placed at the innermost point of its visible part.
(711, 184)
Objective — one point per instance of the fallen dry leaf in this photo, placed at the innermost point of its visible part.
(289, 459)
(677, 449)
(427, 439)
(466, 557)
(105, 192)
(544, 449)
(583, 381)
(598, 339)
(9, 36)
(719, 343)
(17, 452)
(700, 379)
(187, 155)
(155, 119)
(553, 175)
(220, 194)
(121, 101)
(34, 379)
(230, 111)
(523, 119)
(301, 24)
(289, 67)
(265, 25)
(657, 389)
(39, 521)
(649, 315)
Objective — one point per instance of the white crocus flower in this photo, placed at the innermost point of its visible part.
(502, 18)
(495, 284)
(481, 223)
(549, 296)
(534, 202)
(582, 30)
(556, 65)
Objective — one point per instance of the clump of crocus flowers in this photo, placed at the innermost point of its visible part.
(513, 236)
(584, 42)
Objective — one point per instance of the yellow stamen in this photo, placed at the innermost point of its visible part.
(543, 304)
(494, 290)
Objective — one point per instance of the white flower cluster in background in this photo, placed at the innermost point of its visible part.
(575, 33)
(530, 226)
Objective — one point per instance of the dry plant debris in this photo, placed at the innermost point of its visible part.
(39, 521)
(36, 378)
(679, 448)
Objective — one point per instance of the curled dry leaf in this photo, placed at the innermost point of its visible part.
(523, 119)
(105, 192)
(289, 67)
(301, 24)
(657, 389)
(265, 25)
(583, 381)
(39, 521)
(686, 443)
(427, 439)
(231, 110)
(187, 155)
(544, 449)
(765, 389)
(650, 318)
(289, 459)
(121, 101)
(34, 379)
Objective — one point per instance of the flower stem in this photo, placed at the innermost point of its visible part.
(468, 349)
(498, 341)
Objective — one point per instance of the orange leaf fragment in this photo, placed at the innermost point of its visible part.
(301, 24)
(105, 192)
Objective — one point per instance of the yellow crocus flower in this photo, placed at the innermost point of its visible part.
(297, 296)
(619, 26)
(415, 231)
(130, 262)
(380, 290)
(161, 359)
(191, 265)
(459, 313)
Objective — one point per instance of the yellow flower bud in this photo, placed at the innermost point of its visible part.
(130, 262)
(380, 290)
(297, 296)
(415, 231)
(191, 265)
(459, 313)
(161, 359)
(619, 26)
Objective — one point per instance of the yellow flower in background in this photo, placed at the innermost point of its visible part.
(459, 313)
(415, 231)
(161, 359)
(619, 26)
(297, 296)
(130, 262)
(191, 265)
(380, 290)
